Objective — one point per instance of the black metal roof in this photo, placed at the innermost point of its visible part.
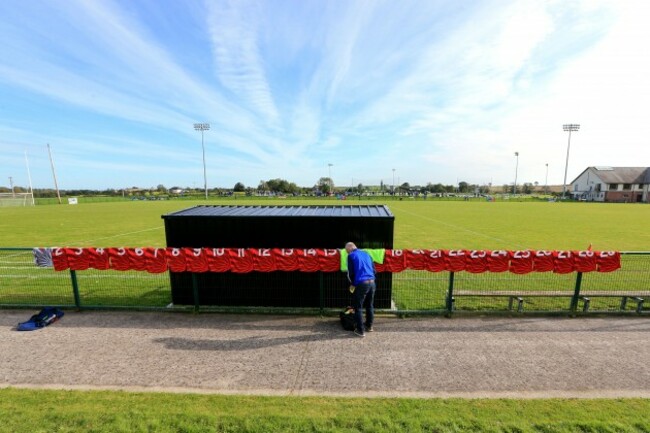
(373, 211)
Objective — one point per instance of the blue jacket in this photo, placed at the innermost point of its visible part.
(360, 267)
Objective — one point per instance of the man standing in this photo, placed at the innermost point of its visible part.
(361, 274)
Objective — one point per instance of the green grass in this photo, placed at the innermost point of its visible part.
(76, 411)
(418, 223)
(431, 224)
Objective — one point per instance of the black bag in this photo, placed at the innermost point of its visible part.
(347, 319)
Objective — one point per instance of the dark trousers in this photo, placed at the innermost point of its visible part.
(364, 292)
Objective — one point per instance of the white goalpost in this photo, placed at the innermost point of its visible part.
(16, 199)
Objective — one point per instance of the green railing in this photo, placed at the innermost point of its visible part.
(23, 284)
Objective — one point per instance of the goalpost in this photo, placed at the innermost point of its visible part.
(16, 199)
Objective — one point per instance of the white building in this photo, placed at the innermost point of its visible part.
(612, 184)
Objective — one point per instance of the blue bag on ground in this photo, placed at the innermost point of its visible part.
(45, 317)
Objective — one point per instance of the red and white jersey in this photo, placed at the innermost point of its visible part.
(394, 261)
(563, 262)
(218, 259)
(137, 258)
(286, 259)
(119, 259)
(435, 261)
(78, 259)
(498, 261)
(415, 259)
(584, 261)
(98, 258)
(176, 260)
(308, 260)
(521, 262)
(607, 261)
(155, 260)
(196, 260)
(543, 261)
(476, 261)
(263, 259)
(455, 260)
(59, 259)
(329, 260)
(241, 261)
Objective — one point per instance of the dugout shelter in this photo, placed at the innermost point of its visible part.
(368, 226)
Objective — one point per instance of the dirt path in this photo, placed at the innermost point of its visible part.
(280, 355)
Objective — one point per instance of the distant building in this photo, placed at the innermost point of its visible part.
(612, 184)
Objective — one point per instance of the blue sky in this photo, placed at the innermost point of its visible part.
(439, 91)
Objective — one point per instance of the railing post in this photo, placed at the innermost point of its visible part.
(576, 293)
(75, 289)
(321, 294)
(450, 295)
(195, 292)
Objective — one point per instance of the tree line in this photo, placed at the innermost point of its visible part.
(278, 186)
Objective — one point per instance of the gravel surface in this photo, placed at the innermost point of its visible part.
(288, 355)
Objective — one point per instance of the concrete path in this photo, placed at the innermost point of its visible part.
(286, 355)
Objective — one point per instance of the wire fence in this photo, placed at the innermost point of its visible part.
(627, 290)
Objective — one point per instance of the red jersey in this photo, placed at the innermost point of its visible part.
(498, 261)
(176, 260)
(455, 260)
(415, 259)
(308, 260)
(286, 259)
(78, 259)
(59, 259)
(137, 259)
(241, 261)
(329, 260)
(218, 259)
(543, 261)
(476, 261)
(584, 261)
(563, 262)
(435, 261)
(394, 261)
(98, 258)
(521, 262)
(607, 261)
(196, 260)
(263, 259)
(119, 259)
(155, 260)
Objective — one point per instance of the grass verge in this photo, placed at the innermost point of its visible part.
(95, 411)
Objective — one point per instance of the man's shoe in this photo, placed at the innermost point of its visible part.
(368, 328)
(358, 333)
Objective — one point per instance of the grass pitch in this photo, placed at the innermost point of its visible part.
(418, 223)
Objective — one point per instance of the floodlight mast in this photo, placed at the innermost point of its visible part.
(203, 127)
(514, 190)
(570, 127)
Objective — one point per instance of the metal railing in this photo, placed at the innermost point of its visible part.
(23, 284)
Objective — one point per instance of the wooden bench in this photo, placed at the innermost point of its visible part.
(519, 295)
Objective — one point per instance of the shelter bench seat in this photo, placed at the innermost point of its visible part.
(519, 295)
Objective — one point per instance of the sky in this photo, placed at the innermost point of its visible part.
(365, 91)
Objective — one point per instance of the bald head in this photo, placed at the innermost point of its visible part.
(350, 246)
